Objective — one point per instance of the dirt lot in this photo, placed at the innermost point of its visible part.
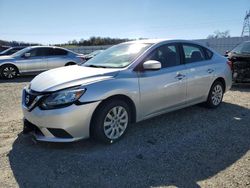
(193, 147)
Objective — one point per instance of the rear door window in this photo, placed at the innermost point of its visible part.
(58, 51)
(48, 51)
(193, 53)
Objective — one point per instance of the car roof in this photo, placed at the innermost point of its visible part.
(157, 41)
(57, 47)
(163, 41)
(46, 47)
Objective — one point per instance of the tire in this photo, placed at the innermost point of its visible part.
(107, 127)
(8, 71)
(215, 96)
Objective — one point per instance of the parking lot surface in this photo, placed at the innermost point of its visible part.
(192, 147)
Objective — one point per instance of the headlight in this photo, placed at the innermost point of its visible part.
(61, 99)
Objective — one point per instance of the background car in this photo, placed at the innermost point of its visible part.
(127, 83)
(92, 54)
(35, 59)
(12, 50)
(2, 48)
(240, 58)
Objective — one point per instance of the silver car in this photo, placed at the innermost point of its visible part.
(126, 83)
(35, 59)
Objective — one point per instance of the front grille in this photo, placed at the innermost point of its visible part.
(31, 98)
(28, 98)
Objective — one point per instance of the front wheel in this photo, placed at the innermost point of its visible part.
(8, 71)
(111, 121)
(215, 95)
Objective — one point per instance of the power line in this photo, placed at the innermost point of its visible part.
(246, 25)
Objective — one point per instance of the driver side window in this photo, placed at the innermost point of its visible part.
(36, 52)
(168, 55)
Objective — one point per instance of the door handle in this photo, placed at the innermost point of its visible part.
(180, 76)
(210, 71)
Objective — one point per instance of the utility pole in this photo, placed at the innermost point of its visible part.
(246, 25)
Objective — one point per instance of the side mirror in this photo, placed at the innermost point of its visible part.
(27, 55)
(152, 65)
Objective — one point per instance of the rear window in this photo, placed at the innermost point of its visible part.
(246, 48)
(242, 48)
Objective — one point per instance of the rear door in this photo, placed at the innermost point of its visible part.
(58, 58)
(165, 88)
(199, 72)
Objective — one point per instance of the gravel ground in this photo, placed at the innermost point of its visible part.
(192, 147)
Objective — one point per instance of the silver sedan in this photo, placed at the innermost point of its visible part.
(35, 59)
(127, 83)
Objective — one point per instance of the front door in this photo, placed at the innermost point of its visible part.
(36, 62)
(163, 89)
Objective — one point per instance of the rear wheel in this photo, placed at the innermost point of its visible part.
(8, 71)
(215, 95)
(111, 121)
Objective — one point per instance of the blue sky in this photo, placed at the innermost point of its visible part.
(56, 21)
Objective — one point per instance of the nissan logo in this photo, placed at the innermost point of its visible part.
(27, 99)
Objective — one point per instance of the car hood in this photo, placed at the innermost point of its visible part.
(238, 55)
(65, 77)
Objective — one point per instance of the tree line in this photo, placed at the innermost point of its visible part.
(219, 34)
(92, 41)
(16, 43)
(95, 41)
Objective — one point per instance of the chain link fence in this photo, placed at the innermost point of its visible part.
(220, 45)
(223, 44)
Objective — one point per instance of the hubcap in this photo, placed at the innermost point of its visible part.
(9, 72)
(115, 122)
(217, 94)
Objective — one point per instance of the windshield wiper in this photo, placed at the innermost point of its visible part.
(97, 66)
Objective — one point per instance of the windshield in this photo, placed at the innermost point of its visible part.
(118, 56)
(20, 52)
(242, 48)
(5, 51)
(95, 52)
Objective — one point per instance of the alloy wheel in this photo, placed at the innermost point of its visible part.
(115, 122)
(217, 94)
(9, 72)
